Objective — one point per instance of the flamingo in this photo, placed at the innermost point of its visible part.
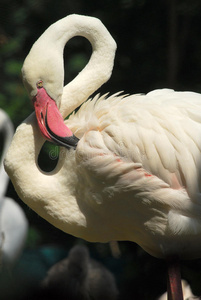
(187, 292)
(129, 165)
(13, 223)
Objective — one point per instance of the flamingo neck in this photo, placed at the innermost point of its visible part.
(99, 68)
(35, 187)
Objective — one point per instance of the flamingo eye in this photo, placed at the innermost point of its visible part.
(39, 84)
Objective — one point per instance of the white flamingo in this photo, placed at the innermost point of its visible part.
(187, 292)
(132, 169)
(13, 223)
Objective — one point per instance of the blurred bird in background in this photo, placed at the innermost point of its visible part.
(13, 222)
(79, 277)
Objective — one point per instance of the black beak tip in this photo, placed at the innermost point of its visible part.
(66, 141)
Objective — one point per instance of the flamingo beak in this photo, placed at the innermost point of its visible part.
(51, 122)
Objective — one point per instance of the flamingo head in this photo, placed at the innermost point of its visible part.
(43, 77)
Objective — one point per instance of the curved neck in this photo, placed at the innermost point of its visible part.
(99, 68)
(43, 192)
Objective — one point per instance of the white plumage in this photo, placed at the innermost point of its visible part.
(13, 222)
(187, 293)
(135, 174)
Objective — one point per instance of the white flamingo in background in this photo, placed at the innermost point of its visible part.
(131, 170)
(187, 292)
(13, 223)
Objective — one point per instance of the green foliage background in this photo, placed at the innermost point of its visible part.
(159, 46)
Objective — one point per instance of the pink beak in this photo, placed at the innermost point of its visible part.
(50, 120)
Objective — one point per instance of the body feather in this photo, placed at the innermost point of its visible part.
(135, 173)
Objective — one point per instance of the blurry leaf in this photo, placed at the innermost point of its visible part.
(2, 99)
(77, 62)
(33, 238)
(13, 67)
(10, 47)
(48, 156)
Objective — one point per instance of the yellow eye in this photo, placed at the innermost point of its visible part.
(39, 84)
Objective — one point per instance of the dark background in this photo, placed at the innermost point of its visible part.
(159, 45)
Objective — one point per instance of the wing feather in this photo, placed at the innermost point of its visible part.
(160, 131)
